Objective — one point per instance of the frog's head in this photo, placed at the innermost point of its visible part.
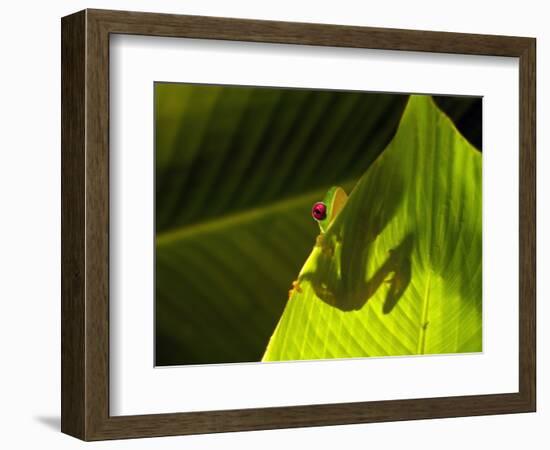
(326, 211)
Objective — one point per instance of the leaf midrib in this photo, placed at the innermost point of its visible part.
(241, 217)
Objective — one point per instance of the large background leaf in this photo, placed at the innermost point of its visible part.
(399, 271)
(237, 170)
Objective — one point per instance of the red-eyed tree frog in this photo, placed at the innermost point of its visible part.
(324, 213)
(339, 277)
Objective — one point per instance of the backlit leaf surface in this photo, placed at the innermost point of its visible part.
(399, 271)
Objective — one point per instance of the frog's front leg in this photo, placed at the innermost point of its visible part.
(295, 288)
(325, 244)
(319, 242)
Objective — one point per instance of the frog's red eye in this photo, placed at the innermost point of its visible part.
(319, 211)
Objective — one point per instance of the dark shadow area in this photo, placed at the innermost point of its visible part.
(334, 290)
(466, 113)
(52, 422)
(399, 263)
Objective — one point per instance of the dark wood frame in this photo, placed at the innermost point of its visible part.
(85, 224)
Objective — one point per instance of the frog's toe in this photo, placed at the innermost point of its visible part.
(295, 288)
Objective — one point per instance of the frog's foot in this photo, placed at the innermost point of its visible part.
(295, 288)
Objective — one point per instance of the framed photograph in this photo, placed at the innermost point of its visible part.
(272, 224)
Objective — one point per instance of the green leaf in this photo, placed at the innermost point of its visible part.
(399, 270)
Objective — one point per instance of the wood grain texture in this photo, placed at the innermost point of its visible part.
(527, 224)
(72, 224)
(85, 224)
(152, 24)
(97, 225)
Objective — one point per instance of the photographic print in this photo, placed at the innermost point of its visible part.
(304, 224)
(214, 225)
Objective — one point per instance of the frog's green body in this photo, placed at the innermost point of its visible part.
(340, 275)
(334, 201)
